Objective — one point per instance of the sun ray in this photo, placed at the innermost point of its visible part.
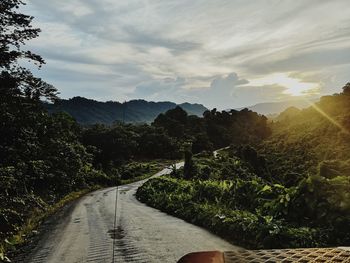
(329, 118)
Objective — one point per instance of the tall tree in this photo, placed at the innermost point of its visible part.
(346, 89)
(15, 31)
(22, 120)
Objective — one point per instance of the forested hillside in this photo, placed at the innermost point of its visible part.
(87, 111)
(313, 138)
(290, 189)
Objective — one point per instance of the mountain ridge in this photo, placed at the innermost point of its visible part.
(88, 111)
(272, 108)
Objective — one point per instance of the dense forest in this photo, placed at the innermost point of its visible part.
(290, 189)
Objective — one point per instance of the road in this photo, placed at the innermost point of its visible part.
(85, 232)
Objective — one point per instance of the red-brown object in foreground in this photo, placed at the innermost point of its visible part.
(300, 255)
(203, 257)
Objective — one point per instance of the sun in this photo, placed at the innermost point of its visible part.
(293, 86)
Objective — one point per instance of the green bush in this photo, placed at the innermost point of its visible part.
(205, 203)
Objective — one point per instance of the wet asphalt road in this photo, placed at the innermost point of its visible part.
(143, 234)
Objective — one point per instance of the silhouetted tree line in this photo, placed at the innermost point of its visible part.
(216, 129)
(167, 136)
(114, 145)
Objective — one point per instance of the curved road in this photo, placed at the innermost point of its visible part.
(143, 234)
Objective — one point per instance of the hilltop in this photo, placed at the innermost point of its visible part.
(274, 108)
(88, 111)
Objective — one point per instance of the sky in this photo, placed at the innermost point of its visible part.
(223, 54)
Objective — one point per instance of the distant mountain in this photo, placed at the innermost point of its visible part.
(88, 111)
(274, 108)
(288, 114)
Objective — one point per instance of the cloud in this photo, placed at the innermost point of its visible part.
(159, 89)
(221, 92)
(227, 91)
(187, 50)
(221, 84)
(304, 61)
(231, 91)
(221, 88)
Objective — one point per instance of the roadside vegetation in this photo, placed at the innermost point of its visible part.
(290, 190)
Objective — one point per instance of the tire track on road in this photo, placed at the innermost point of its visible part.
(142, 234)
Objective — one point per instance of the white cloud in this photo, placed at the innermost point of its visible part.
(138, 46)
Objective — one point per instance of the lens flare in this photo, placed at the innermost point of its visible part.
(329, 118)
(293, 86)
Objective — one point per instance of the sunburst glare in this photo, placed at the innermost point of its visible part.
(293, 86)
